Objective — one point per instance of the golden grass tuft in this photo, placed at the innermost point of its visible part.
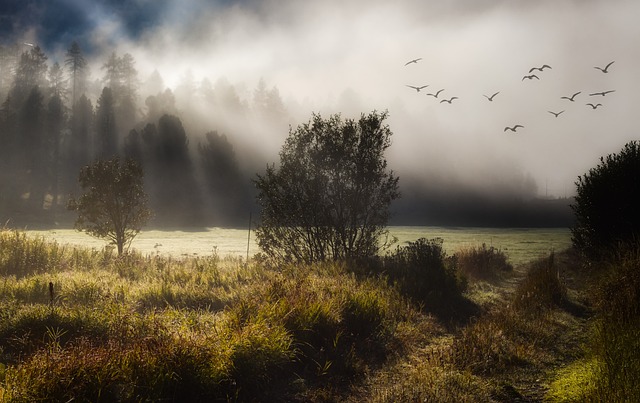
(542, 288)
(482, 263)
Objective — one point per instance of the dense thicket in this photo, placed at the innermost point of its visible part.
(607, 234)
(606, 203)
(57, 118)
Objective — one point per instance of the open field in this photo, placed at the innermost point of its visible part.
(187, 329)
(521, 245)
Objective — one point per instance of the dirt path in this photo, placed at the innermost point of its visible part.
(519, 355)
(569, 326)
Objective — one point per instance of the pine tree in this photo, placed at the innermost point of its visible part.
(54, 125)
(33, 148)
(57, 82)
(79, 145)
(77, 66)
(31, 72)
(106, 132)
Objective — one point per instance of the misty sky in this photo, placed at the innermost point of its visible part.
(349, 56)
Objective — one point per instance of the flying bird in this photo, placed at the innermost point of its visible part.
(413, 61)
(555, 113)
(603, 93)
(491, 97)
(448, 100)
(513, 129)
(606, 68)
(572, 96)
(417, 88)
(594, 106)
(544, 66)
(530, 77)
(437, 93)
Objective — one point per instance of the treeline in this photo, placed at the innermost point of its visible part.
(56, 118)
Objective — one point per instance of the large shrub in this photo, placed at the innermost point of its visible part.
(606, 204)
(329, 198)
(420, 271)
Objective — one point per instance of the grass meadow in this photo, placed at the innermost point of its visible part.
(420, 324)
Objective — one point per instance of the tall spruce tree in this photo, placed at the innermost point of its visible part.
(33, 148)
(106, 128)
(55, 123)
(77, 66)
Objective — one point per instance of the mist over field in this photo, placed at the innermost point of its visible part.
(249, 71)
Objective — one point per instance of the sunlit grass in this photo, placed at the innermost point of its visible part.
(139, 327)
(205, 328)
(576, 383)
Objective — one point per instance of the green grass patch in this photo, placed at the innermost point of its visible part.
(576, 383)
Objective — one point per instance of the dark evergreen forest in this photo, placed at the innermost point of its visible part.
(57, 117)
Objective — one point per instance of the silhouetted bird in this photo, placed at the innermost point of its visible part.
(594, 106)
(413, 61)
(544, 66)
(513, 129)
(606, 68)
(572, 96)
(448, 100)
(603, 93)
(437, 93)
(491, 97)
(555, 113)
(417, 88)
(530, 77)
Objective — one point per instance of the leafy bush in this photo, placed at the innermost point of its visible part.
(606, 204)
(329, 198)
(420, 272)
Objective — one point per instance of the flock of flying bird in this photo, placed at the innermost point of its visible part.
(529, 76)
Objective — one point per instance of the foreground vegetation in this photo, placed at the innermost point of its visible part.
(416, 325)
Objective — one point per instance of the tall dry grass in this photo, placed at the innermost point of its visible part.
(482, 263)
(611, 367)
(136, 328)
(139, 328)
